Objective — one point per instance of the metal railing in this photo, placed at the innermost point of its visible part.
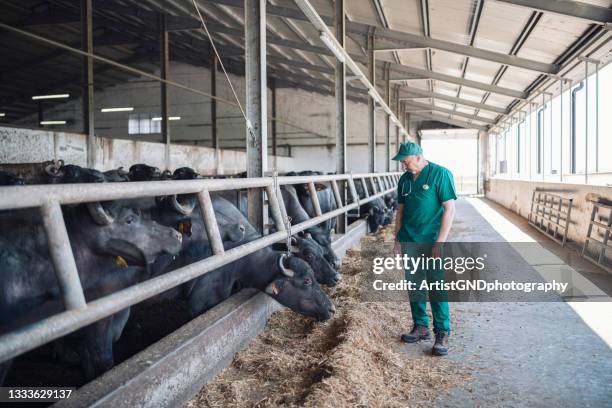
(603, 259)
(80, 313)
(551, 214)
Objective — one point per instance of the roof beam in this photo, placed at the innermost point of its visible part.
(419, 93)
(444, 119)
(423, 106)
(403, 69)
(387, 39)
(575, 9)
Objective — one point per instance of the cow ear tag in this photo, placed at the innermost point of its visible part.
(272, 289)
(184, 227)
(122, 263)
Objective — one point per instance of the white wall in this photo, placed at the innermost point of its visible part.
(21, 146)
(516, 195)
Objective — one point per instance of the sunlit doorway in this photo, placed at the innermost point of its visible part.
(455, 149)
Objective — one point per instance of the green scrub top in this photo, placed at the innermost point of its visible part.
(422, 215)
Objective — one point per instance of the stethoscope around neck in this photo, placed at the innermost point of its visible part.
(425, 186)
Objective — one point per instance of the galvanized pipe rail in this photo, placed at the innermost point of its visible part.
(80, 313)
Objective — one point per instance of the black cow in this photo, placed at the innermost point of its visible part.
(308, 249)
(10, 179)
(117, 175)
(375, 211)
(71, 173)
(325, 196)
(105, 239)
(298, 214)
(287, 278)
(143, 172)
(391, 200)
(228, 216)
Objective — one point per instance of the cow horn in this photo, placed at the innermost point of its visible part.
(180, 208)
(293, 247)
(285, 271)
(99, 215)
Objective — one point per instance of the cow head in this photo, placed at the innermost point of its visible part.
(71, 173)
(309, 250)
(183, 204)
(323, 238)
(377, 215)
(143, 172)
(294, 286)
(185, 173)
(119, 230)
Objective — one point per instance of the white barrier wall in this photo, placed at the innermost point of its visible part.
(516, 196)
(19, 146)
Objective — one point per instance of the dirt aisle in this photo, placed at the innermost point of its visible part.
(355, 359)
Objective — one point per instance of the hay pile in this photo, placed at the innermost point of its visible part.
(355, 359)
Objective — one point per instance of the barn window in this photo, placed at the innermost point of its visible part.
(143, 124)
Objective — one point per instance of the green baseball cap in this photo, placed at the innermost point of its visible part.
(408, 149)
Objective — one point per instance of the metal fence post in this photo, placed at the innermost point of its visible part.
(62, 256)
(210, 222)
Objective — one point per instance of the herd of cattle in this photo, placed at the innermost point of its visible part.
(120, 243)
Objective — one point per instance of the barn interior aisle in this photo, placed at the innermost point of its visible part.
(504, 353)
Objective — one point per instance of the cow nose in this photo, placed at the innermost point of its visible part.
(242, 228)
(337, 278)
(332, 309)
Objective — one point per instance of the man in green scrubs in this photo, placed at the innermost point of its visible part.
(426, 194)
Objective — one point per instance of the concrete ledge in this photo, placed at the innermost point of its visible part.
(173, 370)
(354, 233)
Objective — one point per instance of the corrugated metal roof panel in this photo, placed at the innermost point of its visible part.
(450, 19)
(362, 11)
(500, 26)
(403, 15)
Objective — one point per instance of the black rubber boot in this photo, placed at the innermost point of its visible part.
(418, 333)
(440, 347)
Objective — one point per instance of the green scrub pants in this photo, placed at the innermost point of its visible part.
(418, 298)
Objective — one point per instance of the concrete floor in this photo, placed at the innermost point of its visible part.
(522, 354)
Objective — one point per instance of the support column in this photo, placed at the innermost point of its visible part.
(397, 144)
(340, 92)
(213, 107)
(371, 106)
(41, 118)
(397, 128)
(164, 56)
(274, 130)
(586, 122)
(387, 121)
(87, 78)
(407, 125)
(256, 103)
(213, 101)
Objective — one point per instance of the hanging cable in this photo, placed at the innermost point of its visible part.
(214, 47)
